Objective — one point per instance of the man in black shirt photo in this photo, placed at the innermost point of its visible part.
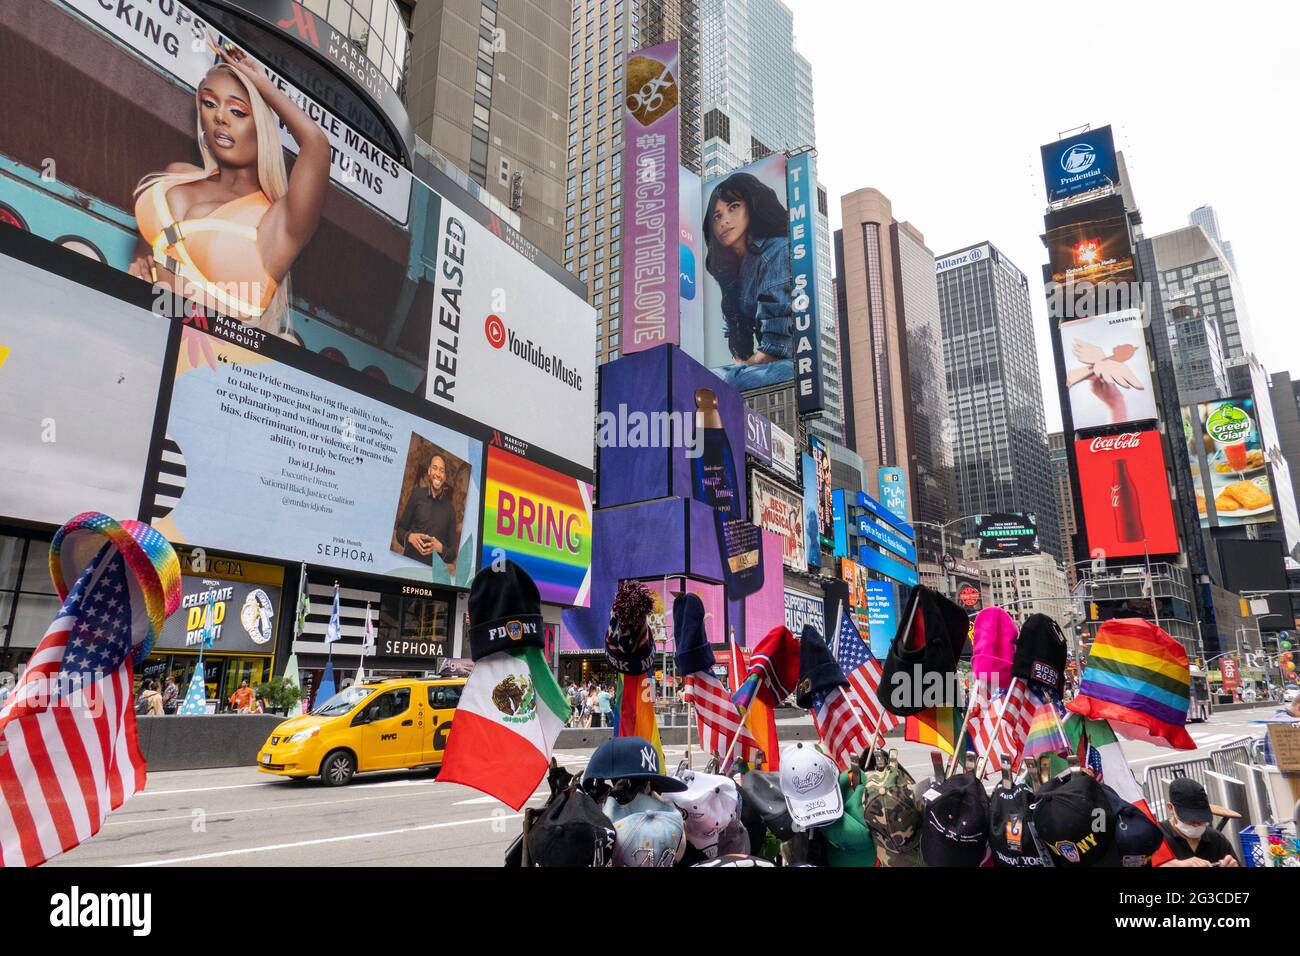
(428, 522)
(1188, 831)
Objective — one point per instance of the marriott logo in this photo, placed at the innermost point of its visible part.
(1116, 442)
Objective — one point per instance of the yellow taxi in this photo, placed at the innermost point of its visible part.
(375, 725)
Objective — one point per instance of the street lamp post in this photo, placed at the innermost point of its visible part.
(943, 542)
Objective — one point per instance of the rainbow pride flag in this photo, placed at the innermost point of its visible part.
(935, 727)
(542, 520)
(634, 710)
(1137, 678)
(1045, 735)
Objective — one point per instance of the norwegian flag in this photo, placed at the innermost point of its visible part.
(717, 717)
(863, 672)
(1016, 708)
(68, 745)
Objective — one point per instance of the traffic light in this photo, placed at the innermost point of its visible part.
(1093, 612)
(1287, 665)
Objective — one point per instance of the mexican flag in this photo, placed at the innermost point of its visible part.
(505, 728)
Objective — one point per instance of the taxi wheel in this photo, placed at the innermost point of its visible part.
(337, 768)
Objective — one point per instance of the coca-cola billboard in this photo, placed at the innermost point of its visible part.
(1126, 505)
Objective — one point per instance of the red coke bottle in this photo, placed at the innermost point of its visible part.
(1124, 499)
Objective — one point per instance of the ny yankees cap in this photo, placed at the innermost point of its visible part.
(630, 758)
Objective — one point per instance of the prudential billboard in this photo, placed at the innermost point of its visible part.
(1080, 164)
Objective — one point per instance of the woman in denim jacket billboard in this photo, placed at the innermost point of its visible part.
(746, 230)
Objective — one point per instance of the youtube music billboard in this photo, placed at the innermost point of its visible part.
(1125, 492)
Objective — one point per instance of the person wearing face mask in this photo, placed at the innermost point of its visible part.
(1188, 833)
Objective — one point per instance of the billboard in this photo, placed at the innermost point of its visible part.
(1007, 535)
(77, 395)
(776, 510)
(882, 616)
(801, 181)
(245, 605)
(1090, 243)
(1107, 371)
(690, 262)
(1127, 509)
(748, 287)
(785, 454)
(801, 609)
(840, 522)
(893, 492)
(264, 456)
(1080, 164)
(651, 295)
(758, 436)
(825, 507)
(540, 519)
(894, 570)
(884, 536)
(811, 506)
(1229, 468)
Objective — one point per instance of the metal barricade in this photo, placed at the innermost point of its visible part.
(1224, 759)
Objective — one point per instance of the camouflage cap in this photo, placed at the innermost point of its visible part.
(893, 814)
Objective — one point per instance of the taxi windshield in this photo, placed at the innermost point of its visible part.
(342, 702)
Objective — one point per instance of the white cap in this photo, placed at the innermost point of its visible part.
(709, 803)
(810, 783)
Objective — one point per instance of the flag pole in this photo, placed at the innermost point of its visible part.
(1151, 584)
(965, 723)
(997, 725)
(726, 761)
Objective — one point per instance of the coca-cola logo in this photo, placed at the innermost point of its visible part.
(1116, 442)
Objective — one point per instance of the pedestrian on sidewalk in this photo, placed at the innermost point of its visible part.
(170, 696)
(593, 706)
(605, 701)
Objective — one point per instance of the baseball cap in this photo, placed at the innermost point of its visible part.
(955, 825)
(1074, 821)
(763, 808)
(1137, 836)
(708, 804)
(848, 839)
(1010, 837)
(654, 838)
(630, 758)
(571, 831)
(810, 785)
(737, 859)
(1190, 801)
(638, 804)
(893, 813)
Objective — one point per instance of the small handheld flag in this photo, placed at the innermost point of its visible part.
(332, 631)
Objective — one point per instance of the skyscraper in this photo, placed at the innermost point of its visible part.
(1060, 460)
(1208, 219)
(994, 396)
(604, 33)
(488, 88)
(895, 412)
(758, 99)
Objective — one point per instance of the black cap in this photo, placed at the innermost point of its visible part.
(955, 827)
(933, 634)
(693, 653)
(818, 671)
(1040, 654)
(1010, 835)
(1074, 821)
(571, 831)
(505, 611)
(1190, 801)
(1137, 836)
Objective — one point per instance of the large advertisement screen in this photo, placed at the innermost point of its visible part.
(811, 509)
(1007, 535)
(776, 510)
(825, 506)
(1126, 504)
(264, 457)
(1107, 371)
(748, 287)
(652, 244)
(540, 519)
(1229, 470)
(1080, 164)
(77, 396)
(242, 600)
(801, 179)
(1090, 243)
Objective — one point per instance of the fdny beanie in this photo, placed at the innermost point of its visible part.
(505, 611)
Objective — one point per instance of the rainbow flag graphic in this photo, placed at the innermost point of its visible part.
(634, 710)
(542, 521)
(1045, 735)
(935, 727)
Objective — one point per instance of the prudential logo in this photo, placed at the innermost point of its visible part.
(1078, 158)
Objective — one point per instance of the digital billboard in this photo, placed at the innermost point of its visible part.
(541, 520)
(893, 492)
(785, 454)
(825, 507)
(1107, 370)
(263, 456)
(1229, 469)
(811, 507)
(748, 285)
(77, 396)
(802, 609)
(1007, 535)
(758, 436)
(245, 601)
(882, 616)
(801, 181)
(1127, 509)
(1080, 164)
(651, 296)
(1090, 243)
(776, 510)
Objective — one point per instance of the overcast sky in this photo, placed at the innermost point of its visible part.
(942, 106)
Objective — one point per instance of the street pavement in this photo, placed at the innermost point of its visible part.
(241, 817)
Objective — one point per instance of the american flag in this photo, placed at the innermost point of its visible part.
(863, 672)
(1016, 707)
(68, 745)
(717, 717)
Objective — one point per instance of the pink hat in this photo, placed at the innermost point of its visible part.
(993, 646)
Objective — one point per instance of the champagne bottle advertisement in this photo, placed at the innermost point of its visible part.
(1125, 492)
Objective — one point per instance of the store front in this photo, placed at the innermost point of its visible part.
(241, 600)
(27, 600)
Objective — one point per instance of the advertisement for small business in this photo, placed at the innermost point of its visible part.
(1127, 509)
(1229, 470)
